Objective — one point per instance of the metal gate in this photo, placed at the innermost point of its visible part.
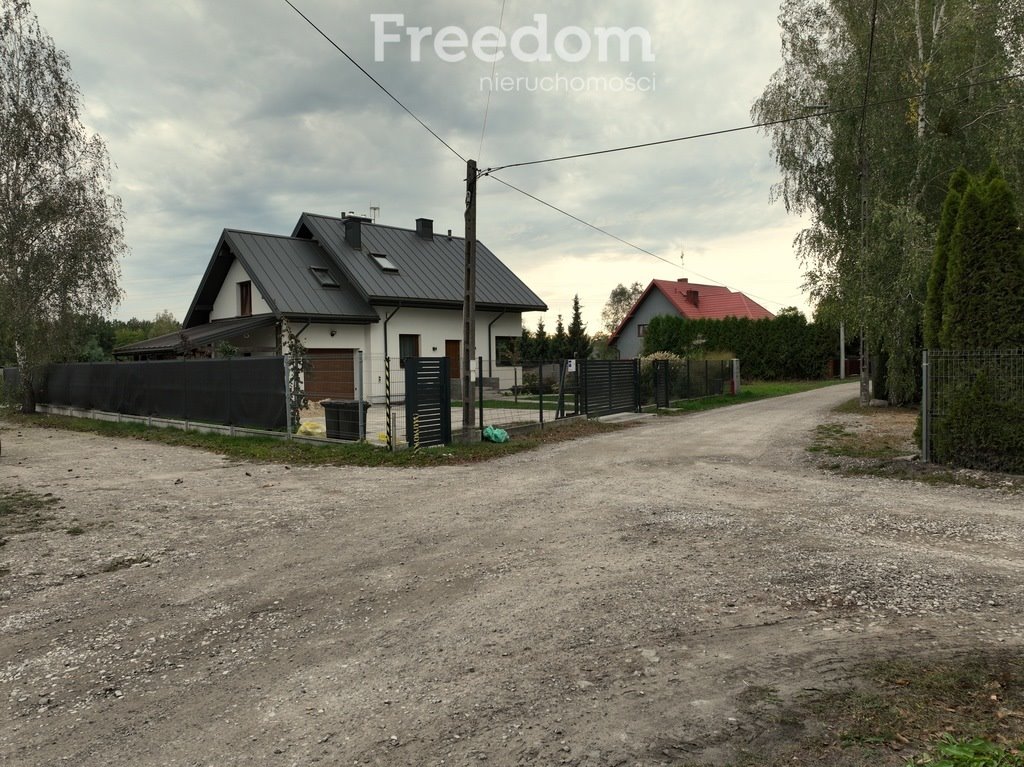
(428, 401)
(661, 383)
(610, 386)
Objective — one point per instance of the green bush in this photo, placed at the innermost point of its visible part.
(983, 428)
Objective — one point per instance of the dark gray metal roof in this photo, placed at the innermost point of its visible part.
(430, 272)
(200, 335)
(279, 267)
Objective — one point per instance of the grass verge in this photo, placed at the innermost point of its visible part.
(954, 710)
(967, 705)
(268, 449)
(881, 442)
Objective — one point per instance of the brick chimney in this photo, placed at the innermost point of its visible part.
(425, 228)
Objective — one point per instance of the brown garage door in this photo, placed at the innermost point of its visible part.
(331, 374)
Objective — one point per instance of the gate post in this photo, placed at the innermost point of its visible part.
(540, 390)
(926, 407)
(480, 389)
(288, 398)
(387, 404)
(736, 376)
(359, 399)
(636, 386)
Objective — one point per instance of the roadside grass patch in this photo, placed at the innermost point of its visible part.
(960, 710)
(301, 453)
(928, 704)
(22, 511)
(838, 440)
(881, 442)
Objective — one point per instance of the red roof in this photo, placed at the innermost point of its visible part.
(694, 301)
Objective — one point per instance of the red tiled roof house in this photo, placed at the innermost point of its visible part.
(683, 298)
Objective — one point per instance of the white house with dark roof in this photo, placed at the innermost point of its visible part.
(344, 285)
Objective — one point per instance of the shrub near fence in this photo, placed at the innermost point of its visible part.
(973, 409)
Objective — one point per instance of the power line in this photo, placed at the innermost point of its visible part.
(616, 237)
(373, 79)
(755, 126)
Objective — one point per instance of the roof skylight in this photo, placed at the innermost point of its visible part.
(324, 277)
(384, 262)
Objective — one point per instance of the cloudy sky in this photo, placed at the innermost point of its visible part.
(236, 113)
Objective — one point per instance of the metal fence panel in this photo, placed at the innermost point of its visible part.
(947, 374)
(610, 386)
(664, 382)
(245, 391)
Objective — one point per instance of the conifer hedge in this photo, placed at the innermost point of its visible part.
(786, 347)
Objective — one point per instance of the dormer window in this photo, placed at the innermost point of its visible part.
(384, 262)
(324, 277)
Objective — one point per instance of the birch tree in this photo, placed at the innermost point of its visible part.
(938, 98)
(61, 230)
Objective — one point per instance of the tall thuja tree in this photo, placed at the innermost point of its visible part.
(933, 305)
(949, 58)
(61, 231)
(983, 296)
(580, 345)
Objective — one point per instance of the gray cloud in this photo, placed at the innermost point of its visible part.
(237, 114)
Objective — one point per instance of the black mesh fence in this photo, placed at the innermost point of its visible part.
(665, 382)
(247, 392)
(972, 408)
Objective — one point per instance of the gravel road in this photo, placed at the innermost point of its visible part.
(609, 601)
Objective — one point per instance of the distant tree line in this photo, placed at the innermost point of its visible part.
(91, 338)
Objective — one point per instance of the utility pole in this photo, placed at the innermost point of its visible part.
(842, 350)
(865, 377)
(469, 298)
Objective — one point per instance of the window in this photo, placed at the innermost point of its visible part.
(245, 299)
(641, 330)
(384, 262)
(505, 348)
(408, 346)
(324, 277)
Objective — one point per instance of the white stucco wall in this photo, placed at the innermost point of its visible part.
(434, 327)
(226, 305)
(318, 335)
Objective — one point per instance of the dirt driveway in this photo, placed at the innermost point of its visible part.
(609, 601)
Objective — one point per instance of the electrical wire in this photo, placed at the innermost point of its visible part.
(756, 126)
(605, 232)
(373, 79)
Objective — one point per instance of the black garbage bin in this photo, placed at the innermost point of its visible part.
(342, 418)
